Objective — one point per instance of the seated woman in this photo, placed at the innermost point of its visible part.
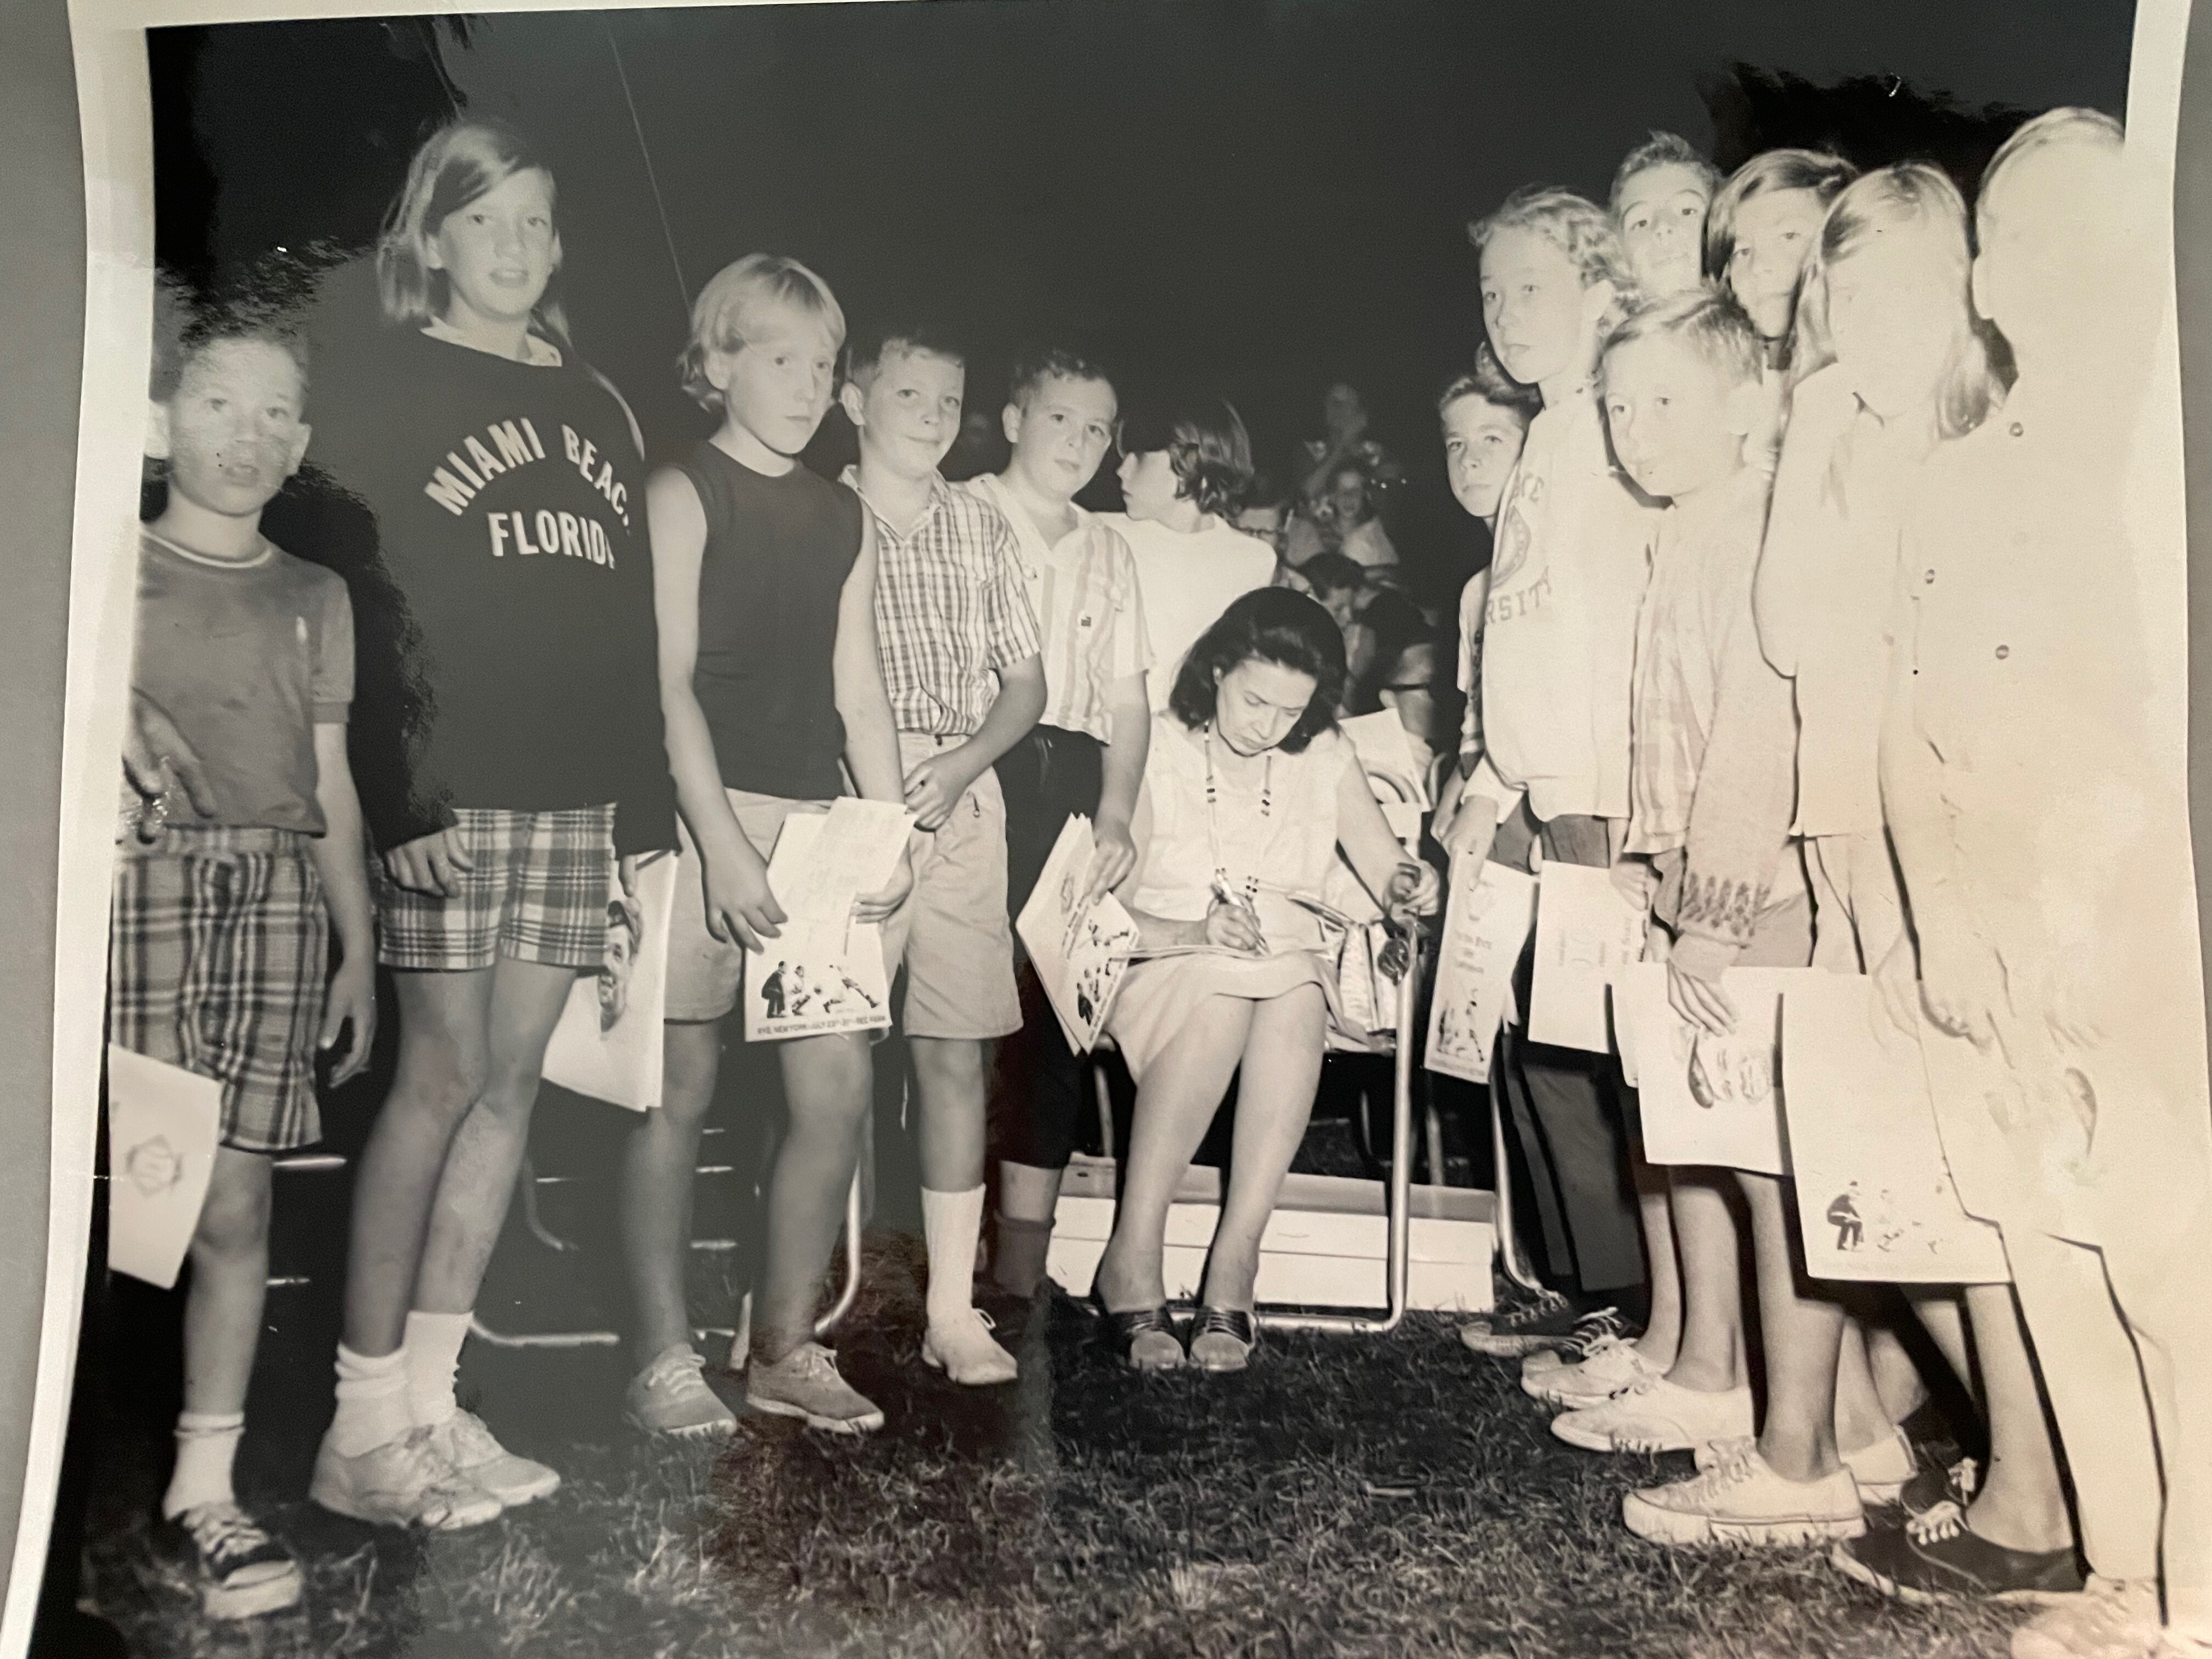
(1343, 519)
(1248, 793)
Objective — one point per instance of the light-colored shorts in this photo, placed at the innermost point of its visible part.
(218, 953)
(959, 947)
(706, 975)
(538, 893)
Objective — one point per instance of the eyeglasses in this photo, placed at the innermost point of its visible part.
(1403, 686)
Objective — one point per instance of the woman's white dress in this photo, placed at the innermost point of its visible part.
(1268, 835)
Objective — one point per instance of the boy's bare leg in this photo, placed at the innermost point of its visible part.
(223, 1328)
(1941, 1311)
(2160, 1295)
(1897, 1379)
(478, 1183)
(1710, 1360)
(1654, 1198)
(1802, 1337)
(948, 1078)
(1274, 1100)
(2095, 1385)
(444, 1060)
(659, 1162)
(230, 1282)
(829, 1083)
(2020, 1503)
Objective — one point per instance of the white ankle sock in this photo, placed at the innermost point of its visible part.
(372, 1401)
(434, 1360)
(951, 1223)
(206, 1444)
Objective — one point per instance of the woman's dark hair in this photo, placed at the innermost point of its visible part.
(1275, 625)
(1207, 445)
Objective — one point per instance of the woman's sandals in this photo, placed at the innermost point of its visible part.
(1146, 1338)
(1223, 1339)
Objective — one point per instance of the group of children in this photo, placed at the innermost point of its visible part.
(568, 663)
(1789, 625)
(1776, 628)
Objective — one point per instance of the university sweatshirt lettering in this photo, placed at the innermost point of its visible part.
(502, 588)
(1566, 582)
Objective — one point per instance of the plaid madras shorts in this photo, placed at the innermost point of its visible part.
(538, 893)
(218, 959)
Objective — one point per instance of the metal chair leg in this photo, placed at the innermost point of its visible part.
(1399, 1188)
(1104, 1092)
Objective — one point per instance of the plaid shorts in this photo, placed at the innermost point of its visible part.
(218, 959)
(538, 893)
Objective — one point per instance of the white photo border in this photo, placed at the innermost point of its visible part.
(108, 38)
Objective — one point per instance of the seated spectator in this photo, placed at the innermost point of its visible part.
(1343, 519)
(1266, 513)
(1340, 586)
(1249, 792)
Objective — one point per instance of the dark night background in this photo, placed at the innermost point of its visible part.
(1262, 196)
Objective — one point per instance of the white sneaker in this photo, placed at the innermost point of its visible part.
(1881, 1470)
(804, 1384)
(670, 1397)
(1741, 1500)
(2111, 1619)
(1590, 1330)
(1656, 1415)
(405, 1482)
(1607, 1367)
(464, 1441)
(964, 1350)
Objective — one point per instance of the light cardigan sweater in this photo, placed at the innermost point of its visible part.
(1715, 730)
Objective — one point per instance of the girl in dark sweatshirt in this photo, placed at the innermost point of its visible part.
(511, 763)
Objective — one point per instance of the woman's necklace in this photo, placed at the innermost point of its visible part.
(1251, 882)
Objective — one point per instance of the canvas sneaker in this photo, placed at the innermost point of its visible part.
(1591, 1329)
(1656, 1415)
(964, 1350)
(1741, 1500)
(405, 1482)
(804, 1384)
(1881, 1470)
(670, 1397)
(1934, 1557)
(2111, 1619)
(1607, 1365)
(238, 1569)
(1549, 1322)
(1932, 1488)
(464, 1442)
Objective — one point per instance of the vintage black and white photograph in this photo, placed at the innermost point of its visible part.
(634, 534)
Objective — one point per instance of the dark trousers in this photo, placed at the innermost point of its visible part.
(1036, 1092)
(1572, 1113)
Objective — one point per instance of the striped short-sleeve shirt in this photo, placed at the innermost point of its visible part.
(951, 610)
(1090, 613)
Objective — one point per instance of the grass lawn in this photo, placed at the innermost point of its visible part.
(1392, 1496)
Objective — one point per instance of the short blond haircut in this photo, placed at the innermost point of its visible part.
(2070, 124)
(737, 291)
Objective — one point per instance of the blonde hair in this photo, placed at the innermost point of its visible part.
(462, 162)
(2069, 124)
(737, 289)
(1707, 320)
(1577, 227)
(1911, 196)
